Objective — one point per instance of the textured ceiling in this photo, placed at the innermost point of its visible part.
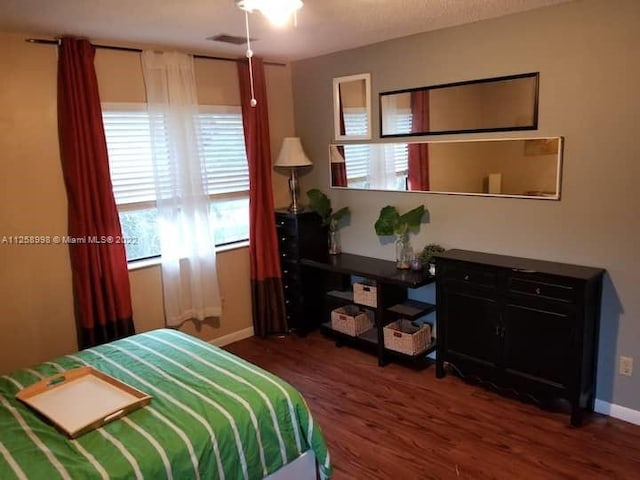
(324, 26)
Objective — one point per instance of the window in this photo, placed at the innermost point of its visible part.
(362, 165)
(221, 144)
(227, 172)
(403, 119)
(355, 122)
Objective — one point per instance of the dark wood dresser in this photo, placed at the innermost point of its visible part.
(520, 324)
(300, 235)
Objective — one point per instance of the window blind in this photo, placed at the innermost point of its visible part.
(223, 150)
(220, 142)
(129, 147)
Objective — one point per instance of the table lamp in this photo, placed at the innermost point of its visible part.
(292, 156)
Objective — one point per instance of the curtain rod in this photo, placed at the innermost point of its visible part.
(139, 50)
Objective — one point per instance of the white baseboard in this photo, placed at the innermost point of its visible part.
(617, 411)
(232, 337)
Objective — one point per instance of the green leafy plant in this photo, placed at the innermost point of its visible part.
(390, 222)
(321, 204)
(429, 251)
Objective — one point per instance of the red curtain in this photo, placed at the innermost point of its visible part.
(267, 295)
(339, 169)
(98, 262)
(418, 177)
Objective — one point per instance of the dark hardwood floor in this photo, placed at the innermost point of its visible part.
(401, 424)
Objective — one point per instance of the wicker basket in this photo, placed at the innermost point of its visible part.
(365, 294)
(396, 337)
(351, 320)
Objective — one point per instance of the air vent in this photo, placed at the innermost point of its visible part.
(223, 37)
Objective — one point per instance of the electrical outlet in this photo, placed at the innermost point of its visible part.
(626, 366)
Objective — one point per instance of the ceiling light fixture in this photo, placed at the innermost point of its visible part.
(277, 11)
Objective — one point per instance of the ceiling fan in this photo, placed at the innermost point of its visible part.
(277, 11)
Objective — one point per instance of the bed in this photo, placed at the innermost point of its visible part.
(212, 415)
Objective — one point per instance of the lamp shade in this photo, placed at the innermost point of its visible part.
(292, 154)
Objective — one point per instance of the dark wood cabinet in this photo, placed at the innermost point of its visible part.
(521, 324)
(300, 235)
(336, 273)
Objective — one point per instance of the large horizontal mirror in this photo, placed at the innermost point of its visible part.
(352, 107)
(490, 104)
(519, 167)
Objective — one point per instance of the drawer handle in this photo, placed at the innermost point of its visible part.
(284, 255)
(538, 291)
(466, 277)
(285, 271)
(523, 270)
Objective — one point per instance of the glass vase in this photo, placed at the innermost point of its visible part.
(334, 239)
(404, 252)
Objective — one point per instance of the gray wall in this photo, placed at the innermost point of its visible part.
(587, 56)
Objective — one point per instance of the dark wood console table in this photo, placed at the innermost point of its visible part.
(391, 286)
(522, 324)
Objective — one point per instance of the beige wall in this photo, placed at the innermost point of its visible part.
(465, 166)
(587, 56)
(36, 301)
(353, 94)
(481, 105)
(36, 307)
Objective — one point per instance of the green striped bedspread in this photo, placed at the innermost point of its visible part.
(212, 416)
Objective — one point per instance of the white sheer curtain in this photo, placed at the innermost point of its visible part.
(381, 173)
(189, 276)
(391, 112)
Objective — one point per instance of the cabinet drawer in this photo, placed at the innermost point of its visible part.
(291, 273)
(286, 226)
(288, 246)
(546, 289)
(473, 276)
(291, 289)
(289, 252)
(293, 305)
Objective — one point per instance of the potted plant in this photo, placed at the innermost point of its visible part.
(428, 252)
(321, 204)
(390, 222)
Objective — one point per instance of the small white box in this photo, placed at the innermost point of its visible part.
(365, 294)
(495, 183)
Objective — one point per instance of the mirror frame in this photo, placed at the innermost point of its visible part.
(558, 180)
(336, 105)
(534, 113)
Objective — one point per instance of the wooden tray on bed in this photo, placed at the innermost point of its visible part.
(82, 399)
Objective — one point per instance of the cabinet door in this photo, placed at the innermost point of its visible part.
(538, 342)
(470, 323)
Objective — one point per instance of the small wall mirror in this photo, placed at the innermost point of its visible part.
(518, 167)
(487, 105)
(352, 107)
